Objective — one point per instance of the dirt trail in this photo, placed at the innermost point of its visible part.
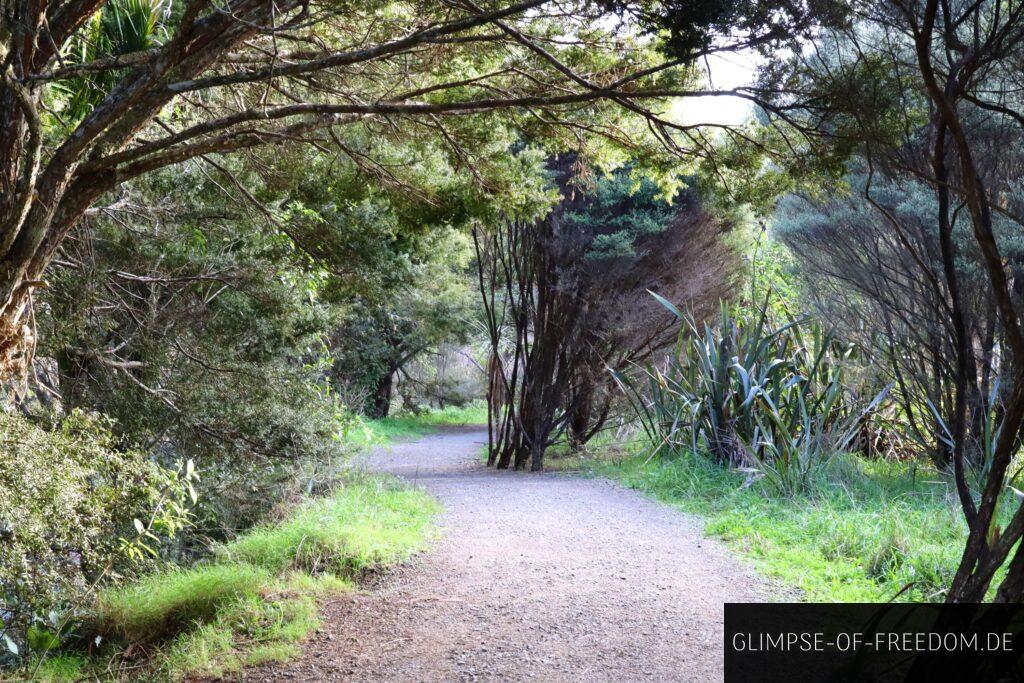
(537, 577)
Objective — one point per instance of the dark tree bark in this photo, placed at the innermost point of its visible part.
(965, 361)
(581, 414)
(382, 394)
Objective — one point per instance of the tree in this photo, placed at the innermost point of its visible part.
(913, 85)
(627, 241)
(567, 299)
(198, 337)
(956, 48)
(204, 338)
(859, 272)
(381, 337)
(199, 79)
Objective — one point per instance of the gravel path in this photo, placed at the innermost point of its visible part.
(537, 577)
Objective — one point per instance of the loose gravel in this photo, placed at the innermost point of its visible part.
(544, 577)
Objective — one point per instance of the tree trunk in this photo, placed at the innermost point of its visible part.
(537, 457)
(580, 418)
(381, 405)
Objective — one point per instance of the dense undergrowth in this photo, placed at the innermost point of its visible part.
(256, 599)
(864, 531)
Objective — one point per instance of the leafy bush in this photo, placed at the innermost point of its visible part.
(211, 350)
(75, 510)
(769, 399)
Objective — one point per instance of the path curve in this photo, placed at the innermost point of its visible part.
(540, 577)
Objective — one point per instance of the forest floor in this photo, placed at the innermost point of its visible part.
(537, 576)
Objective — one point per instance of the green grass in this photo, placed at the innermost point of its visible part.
(867, 531)
(414, 425)
(246, 632)
(257, 600)
(373, 523)
(173, 601)
(63, 668)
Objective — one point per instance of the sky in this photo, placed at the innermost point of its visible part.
(727, 71)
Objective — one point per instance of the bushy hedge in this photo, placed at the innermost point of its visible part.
(75, 510)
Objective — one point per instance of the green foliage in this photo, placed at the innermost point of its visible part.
(473, 414)
(773, 272)
(119, 28)
(863, 532)
(76, 508)
(685, 26)
(210, 299)
(433, 302)
(854, 99)
(202, 339)
(768, 398)
(848, 253)
(740, 176)
(619, 210)
(845, 217)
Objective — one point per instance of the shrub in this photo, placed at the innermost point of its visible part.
(767, 398)
(75, 510)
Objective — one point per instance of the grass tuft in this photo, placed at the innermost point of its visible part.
(161, 605)
(371, 524)
(62, 668)
(250, 631)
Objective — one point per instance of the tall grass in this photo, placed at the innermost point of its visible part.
(371, 524)
(169, 602)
